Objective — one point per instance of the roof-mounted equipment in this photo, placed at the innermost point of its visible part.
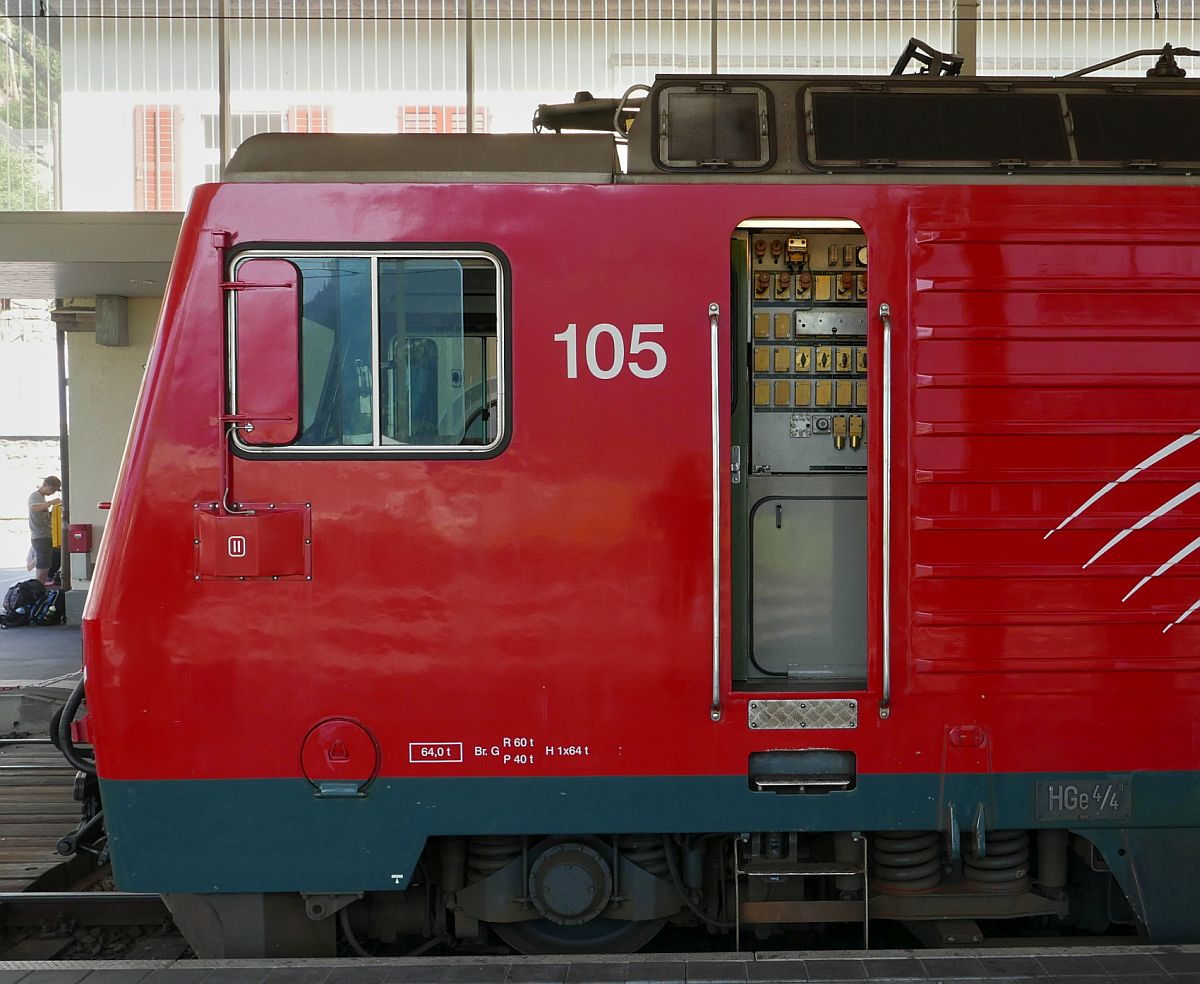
(934, 62)
(1165, 68)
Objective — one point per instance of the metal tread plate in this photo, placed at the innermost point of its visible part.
(834, 714)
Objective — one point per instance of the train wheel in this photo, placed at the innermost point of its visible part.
(537, 936)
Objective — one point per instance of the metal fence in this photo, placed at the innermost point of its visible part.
(118, 103)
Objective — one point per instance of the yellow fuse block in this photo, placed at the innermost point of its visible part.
(783, 393)
(803, 392)
(822, 287)
(860, 359)
(783, 324)
(762, 392)
(762, 285)
(804, 359)
(783, 359)
(762, 325)
(844, 393)
(824, 358)
(783, 286)
(824, 392)
(762, 358)
(860, 393)
(856, 430)
(843, 359)
(839, 432)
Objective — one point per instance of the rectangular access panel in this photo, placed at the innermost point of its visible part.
(808, 602)
(262, 543)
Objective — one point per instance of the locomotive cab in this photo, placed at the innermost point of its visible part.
(713, 579)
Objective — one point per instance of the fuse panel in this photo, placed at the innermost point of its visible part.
(808, 369)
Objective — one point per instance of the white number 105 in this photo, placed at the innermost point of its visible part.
(637, 345)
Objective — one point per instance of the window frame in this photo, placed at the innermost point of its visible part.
(376, 252)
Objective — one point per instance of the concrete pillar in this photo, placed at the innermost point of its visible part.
(966, 34)
(112, 320)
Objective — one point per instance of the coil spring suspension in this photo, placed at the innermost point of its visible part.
(1005, 864)
(905, 861)
(646, 851)
(487, 855)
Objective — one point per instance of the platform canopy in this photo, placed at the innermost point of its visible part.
(82, 254)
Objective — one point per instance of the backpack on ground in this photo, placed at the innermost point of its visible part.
(19, 601)
(49, 609)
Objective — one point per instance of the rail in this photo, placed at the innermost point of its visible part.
(714, 317)
(885, 696)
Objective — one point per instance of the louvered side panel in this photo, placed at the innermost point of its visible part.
(1055, 441)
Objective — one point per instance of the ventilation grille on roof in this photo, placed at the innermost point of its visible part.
(713, 126)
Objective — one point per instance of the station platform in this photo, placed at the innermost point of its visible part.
(31, 654)
(1073, 965)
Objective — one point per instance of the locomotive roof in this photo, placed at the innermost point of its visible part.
(916, 124)
(588, 158)
(714, 127)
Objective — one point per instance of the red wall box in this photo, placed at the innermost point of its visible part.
(79, 538)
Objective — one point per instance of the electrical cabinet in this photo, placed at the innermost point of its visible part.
(804, 510)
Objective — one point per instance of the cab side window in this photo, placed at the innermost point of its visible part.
(399, 351)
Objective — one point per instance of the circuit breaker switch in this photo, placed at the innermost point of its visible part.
(797, 250)
(856, 431)
(840, 431)
(845, 286)
(783, 286)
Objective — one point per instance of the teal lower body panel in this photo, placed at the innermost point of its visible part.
(277, 835)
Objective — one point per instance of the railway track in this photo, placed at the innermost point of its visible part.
(86, 925)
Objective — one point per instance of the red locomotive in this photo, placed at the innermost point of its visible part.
(797, 526)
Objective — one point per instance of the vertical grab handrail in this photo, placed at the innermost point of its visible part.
(885, 697)
(714, 315)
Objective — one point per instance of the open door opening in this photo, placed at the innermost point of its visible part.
(800, 433)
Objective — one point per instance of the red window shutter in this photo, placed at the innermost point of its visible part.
(156, 169)
(458, 119)
(308, 119)
(419, 119)
(438, 119)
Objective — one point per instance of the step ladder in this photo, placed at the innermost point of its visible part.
(799, 869)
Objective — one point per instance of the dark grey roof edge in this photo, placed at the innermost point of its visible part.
(425, 157)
